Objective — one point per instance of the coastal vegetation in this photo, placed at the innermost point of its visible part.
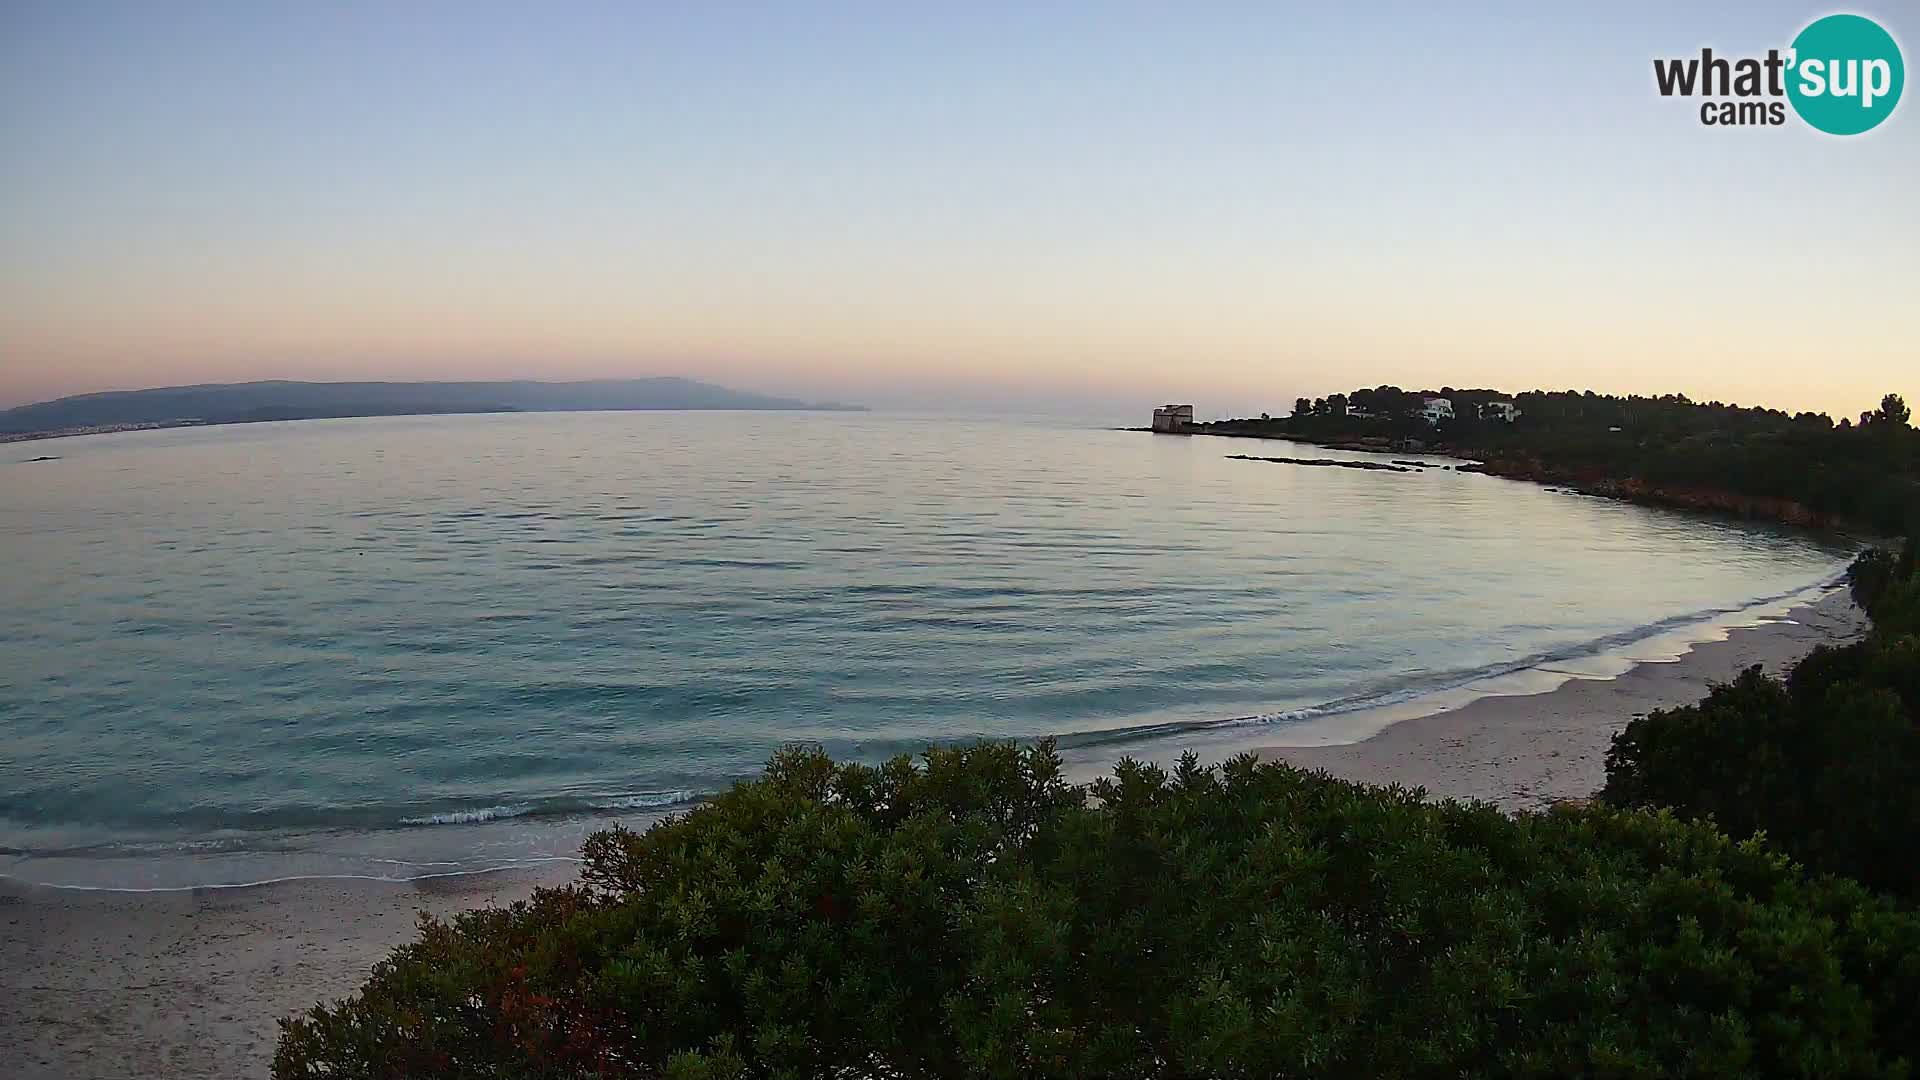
(1825, 762)
(1802, 468)
(974, 915)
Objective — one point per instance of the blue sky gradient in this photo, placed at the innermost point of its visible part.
(984, 205)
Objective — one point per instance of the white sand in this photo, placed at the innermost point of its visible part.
(190, 984)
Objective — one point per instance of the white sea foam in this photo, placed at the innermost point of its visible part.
(469, 817)
(643, 800)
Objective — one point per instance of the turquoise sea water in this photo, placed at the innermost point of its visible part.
(411, 645)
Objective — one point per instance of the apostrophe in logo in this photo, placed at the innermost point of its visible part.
(1846, 74)
(1843, 75)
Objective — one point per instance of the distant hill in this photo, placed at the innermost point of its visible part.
(233, 403)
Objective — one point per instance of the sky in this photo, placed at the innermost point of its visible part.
(1033, 207)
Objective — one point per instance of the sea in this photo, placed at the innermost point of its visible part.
(407, 646)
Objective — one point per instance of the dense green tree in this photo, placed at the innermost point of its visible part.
(975, 916)
(1893, 411)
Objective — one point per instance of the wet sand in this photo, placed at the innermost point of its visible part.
(190, 983)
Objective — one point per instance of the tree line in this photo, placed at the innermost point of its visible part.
(1861, 473)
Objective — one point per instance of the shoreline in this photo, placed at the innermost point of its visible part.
(1343, 726)
(1525, 750)
(190, 982)
(543, 843)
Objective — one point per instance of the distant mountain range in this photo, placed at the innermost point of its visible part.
(237, 403)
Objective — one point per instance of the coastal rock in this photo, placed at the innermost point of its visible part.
(1369, 466)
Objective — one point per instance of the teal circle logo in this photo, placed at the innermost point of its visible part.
(1845, 74)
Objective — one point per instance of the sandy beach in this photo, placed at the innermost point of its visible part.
(1527, 752)
(190, 983)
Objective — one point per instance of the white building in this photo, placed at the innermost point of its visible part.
(1503, 411)
(1436, 409)
(1172, 419)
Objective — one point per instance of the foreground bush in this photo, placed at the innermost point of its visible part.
(975, 916)
(1825, 762)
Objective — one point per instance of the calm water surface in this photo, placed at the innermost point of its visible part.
(404, 645)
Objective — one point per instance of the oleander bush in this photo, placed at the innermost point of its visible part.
(973, 915)
(1825, 762)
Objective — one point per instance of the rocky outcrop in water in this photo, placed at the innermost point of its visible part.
(1370, 466)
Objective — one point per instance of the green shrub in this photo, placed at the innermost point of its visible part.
(975, 916)
(1870, 575)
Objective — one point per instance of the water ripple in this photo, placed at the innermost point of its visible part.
(336, 628)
